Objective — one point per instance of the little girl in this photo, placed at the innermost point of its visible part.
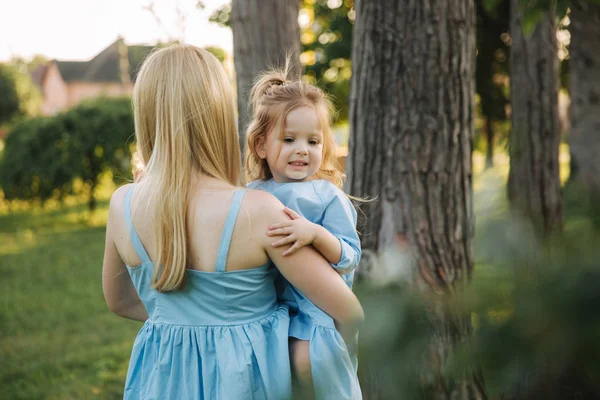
(291, 154)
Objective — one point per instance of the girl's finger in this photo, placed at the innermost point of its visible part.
(283, 241)
(279, 225)
(292, 213)
(279, 232)
(292, 249)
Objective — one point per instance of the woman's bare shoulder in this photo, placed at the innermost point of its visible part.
(263, 203)
(263, 208)
(121, 192)
(117, 199)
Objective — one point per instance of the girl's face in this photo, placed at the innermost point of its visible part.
(296, 156)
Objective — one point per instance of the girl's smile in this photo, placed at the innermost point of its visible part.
(298, 164)
(295, 155)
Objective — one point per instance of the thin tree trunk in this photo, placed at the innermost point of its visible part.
(264, 33)
(584, 89)
(489, 135)
(411, 129)
(534, 181)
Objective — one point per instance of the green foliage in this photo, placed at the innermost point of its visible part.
(35, 163)
(393, 341)
(537, 315)
(534, 10)
(534, 309)
(222, 16)
(102, 129)
(218, 52)
(326, 46)
(43, 156)
(30, 64)
(492, 4)
(20, 97)
(581, 204)
(9, 101)
(327, 49)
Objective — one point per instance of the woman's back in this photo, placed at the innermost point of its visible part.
(224, 326)
(212, 327)
(206, 216)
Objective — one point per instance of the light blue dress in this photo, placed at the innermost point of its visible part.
(223, 337)
(334, 364)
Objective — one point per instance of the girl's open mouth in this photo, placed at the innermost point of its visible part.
(298, 164)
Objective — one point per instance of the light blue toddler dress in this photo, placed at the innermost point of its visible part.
(223, 337)
(334, 364)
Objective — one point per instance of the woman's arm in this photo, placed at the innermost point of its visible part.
(306, 269)
(119, 292)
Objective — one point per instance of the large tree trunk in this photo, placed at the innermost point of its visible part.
(411, 128)
(264, 33)
(585, 94)
(534, 182)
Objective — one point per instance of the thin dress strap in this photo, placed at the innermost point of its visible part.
(234, 208)
(135, 239)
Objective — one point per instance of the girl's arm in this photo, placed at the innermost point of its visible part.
(119, 292)
(328, 245)
(339, 221)
(337, 239)
(302, 232)
(308, 271)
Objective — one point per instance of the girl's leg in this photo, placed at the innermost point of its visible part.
(300, 359)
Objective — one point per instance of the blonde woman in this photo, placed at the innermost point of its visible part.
(187, 249)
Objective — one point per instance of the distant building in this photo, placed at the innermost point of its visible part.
(64, 84)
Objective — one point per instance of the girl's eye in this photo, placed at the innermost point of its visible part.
(288, 140)
(313, 142)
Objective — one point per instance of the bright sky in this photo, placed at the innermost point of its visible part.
(80, 29)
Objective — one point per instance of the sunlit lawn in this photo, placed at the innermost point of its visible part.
(57, 338)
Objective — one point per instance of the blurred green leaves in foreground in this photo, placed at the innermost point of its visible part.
(535, 313)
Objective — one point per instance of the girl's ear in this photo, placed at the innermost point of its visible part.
(260, 148)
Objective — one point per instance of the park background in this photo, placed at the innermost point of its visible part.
(472, 124)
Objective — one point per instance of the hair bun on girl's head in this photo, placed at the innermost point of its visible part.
(279, 82)
(265, 84)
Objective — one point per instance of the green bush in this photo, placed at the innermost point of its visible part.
(43, 156)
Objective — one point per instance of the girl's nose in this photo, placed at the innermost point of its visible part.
(301, 150)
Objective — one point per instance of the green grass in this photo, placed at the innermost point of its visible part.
(58, 340)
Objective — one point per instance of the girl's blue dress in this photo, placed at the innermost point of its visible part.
(334, 365)
(223, 337)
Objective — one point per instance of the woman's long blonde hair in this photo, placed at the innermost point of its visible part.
(272, 98)
(185, 124)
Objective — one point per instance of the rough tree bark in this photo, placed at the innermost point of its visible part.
(584, 87)
(534, 181)
(411, 129)
(264, 33)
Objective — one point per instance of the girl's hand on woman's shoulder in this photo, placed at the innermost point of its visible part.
(297, 230)
(306, 268)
